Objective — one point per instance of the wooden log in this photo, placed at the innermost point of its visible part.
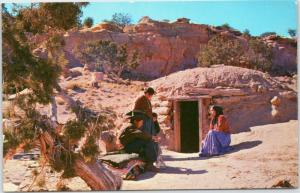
(215, 92)
(93, 173)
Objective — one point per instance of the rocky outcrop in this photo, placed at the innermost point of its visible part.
(165, 47)
(284, 53)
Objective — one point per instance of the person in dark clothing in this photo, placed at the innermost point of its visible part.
(156, 125)
(143, 104)
(135, 140)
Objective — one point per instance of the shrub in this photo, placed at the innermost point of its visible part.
(108, 52)
(246, 32)
(120, 19)
(292, 32)
(220, 50)
(223, 50)
(267, 34)
(88, 22)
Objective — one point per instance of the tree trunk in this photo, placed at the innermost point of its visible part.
(97, 176)
(94, 174)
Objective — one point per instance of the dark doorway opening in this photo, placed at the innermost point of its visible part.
(189, 126)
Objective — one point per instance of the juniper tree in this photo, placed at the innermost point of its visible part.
(230, 51)
(107, 52)
(23, 70)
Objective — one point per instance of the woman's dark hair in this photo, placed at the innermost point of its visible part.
(219, 111)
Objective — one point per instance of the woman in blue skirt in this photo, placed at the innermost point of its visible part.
(218, 139)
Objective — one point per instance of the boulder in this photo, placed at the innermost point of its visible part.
(275, 101)
(75, 72)
(106, 26)
(161, 110)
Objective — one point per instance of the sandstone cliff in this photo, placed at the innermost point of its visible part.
(168, 47)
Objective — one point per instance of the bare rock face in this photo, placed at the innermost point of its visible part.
(165, 47)
(284, 52)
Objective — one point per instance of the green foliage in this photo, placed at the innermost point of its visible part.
(223, 50)
(107, 52)
(64, 161)
(226, 26)
(88, 22)
(246, 32)
(98, 52)
(120, 19)
(292, 32)
(11, 141)
(134, 60)
(45, 16)
(23, 70)
(74, 130)
(220, 50)
(56, 54)
(267, 34)
(261, 56)
(90, 149)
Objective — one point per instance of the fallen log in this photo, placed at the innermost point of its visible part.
(93, 173)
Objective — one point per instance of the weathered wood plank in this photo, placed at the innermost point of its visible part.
(177, 143)
(187, 98)
(215, 92)
(200, 111)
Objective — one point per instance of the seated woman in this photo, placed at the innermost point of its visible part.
(218, 139)
(135, 140)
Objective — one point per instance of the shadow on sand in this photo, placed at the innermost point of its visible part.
(233, 149)
(187, 171)
(171, 170)
(244, 145)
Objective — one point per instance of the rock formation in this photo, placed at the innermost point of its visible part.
(165, 47)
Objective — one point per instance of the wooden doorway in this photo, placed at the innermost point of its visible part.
(189, 126)
(190, 114)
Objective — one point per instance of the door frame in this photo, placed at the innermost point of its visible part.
(177, 121)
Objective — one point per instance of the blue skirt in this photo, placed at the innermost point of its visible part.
(215, 143)
(148, 126)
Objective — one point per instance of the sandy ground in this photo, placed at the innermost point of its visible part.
(260, 158)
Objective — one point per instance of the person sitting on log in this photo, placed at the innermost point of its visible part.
(135, 140)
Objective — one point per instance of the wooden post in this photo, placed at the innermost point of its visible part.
(200, 116)
(177, 144)
(205, 119)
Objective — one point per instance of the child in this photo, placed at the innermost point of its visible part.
(159, 163)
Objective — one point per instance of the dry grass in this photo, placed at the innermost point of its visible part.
(40, 181)
(75, 85)
(60, 101)
(61, 186)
